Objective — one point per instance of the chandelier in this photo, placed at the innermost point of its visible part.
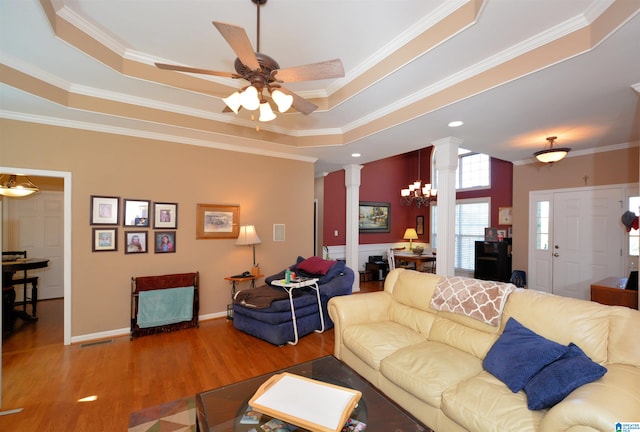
(552, 154)
(417, 193)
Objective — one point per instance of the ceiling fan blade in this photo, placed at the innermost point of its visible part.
(237, 38)
(300, 104)
(196, 70)
(314, 71)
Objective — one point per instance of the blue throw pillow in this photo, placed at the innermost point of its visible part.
(519, 354)
(557, 380)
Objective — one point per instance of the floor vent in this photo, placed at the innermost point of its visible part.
(96, 343)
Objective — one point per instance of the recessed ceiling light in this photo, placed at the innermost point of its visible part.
(355, 155)
(456, 123)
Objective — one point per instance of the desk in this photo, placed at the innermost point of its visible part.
(418, 259)
(610, 291)
(9, 268)
(234, 288)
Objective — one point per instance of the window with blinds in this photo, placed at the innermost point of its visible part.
(472, 217)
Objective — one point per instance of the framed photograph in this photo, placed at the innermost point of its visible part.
(165, 215)
(374, 217)
(490, 234)
(420, 225)
(217, 221)
(104, 239)
(104, 210)
(502, 234)
(509, 232)
(165, 241)
(136, 242)
(504, 216)
(136, 213)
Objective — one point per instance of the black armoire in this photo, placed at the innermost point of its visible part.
(493, 260)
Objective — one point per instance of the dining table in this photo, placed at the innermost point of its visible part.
(9, 269)
(418, 259)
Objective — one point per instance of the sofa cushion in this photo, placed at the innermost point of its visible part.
(315, 265)
(519, 354)
(373, 342)
(554, 382)
(483, 403)
(318, 265)
(426, 369)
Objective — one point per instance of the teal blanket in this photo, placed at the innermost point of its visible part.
(165, 306)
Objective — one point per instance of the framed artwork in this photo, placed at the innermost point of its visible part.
(491, 234)
(504, 215)
(165, 215)
(104, 210)
(136, 212)
(165, 241)
(420, 225)
(374, 217)
(136, 242)
(104, 239)
(502, 234)
(217, 221)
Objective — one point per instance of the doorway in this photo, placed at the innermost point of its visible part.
(66, 237)
(575, 238)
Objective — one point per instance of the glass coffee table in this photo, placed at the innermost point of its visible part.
(226, 408)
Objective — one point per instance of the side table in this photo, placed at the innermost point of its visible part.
(234, 288)
(289, 287)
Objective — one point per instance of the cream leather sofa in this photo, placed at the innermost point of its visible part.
(430, 362)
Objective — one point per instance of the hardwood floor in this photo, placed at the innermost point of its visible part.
(49, 379)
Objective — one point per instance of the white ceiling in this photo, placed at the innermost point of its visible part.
(515, 71)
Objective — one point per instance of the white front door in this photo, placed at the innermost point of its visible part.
(585, 240)
(35, 224)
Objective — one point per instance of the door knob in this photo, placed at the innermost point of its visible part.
(556, 254)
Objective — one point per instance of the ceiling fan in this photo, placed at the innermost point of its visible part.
(263, 72)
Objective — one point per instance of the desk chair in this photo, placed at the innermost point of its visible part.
(24, 281)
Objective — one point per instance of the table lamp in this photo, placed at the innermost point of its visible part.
(411, 235)
(249, 237)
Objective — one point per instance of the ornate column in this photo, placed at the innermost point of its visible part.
(352, 184)
(446, 164)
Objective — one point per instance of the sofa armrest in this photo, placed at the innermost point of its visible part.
(355, 309)
(599, 405)
(342, 284)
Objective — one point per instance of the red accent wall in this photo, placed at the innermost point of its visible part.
(382, 181)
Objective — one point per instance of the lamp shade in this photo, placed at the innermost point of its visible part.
(552, 154)
(410, 234)
(12, 185)
(266, 113)
(283, 101)
(234, 102)
(248, 236)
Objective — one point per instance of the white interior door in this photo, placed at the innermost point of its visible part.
(35, 224)
(585, 240)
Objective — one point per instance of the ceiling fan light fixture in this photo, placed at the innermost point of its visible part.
(250, 99)
(11, 187)
(234, 102)
(552, 154)
(266, 113)
(282, 100)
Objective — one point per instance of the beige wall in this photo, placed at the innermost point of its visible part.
(266, 188)
(608, 168)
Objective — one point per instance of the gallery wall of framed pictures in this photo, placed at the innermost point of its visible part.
(138, 216)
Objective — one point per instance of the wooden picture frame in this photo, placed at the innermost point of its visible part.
(136, 213)
(165, 215)
(136, 242)
(214, 221)
(505, 216)
(165, 241)
(104, 210)
(374, 217)
(104, 240)
(420, 225)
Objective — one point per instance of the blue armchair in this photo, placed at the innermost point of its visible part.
(274, 323)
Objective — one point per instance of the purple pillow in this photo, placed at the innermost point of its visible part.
(519, 354)
(554, 382)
